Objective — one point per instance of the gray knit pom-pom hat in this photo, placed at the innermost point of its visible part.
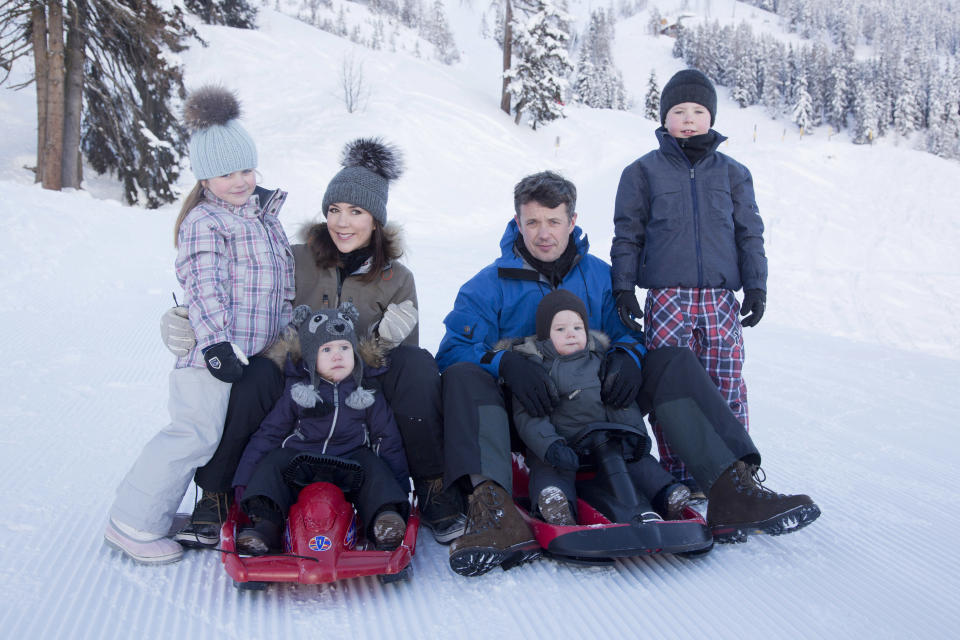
(369, 164)
(219, 145)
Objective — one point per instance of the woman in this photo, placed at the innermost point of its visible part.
(350, 257)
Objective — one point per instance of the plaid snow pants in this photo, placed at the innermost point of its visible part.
(708, 322)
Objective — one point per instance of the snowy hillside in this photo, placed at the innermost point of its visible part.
(852, 373)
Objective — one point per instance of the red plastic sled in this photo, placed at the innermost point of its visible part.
(323, 542)
(596, 539)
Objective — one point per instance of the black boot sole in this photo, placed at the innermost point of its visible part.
(476, 561)
(786, 522)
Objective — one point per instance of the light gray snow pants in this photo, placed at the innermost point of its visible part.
(150, 494)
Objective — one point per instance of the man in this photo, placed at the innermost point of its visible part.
(541, 250)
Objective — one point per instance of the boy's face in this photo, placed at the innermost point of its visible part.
(335, 360)
(687, 119)
(567, 332)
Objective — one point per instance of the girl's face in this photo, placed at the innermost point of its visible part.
(235, 188)
(335, 360)
(687, 119)
(567, 332)
(350, 226)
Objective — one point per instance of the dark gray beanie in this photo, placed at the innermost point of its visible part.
(552, 304)
(688, 85)
(218, 144)
(369, 164)
(317, 328)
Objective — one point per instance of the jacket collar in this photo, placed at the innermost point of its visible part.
(670, 146)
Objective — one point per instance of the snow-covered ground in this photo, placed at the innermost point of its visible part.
(852, 373)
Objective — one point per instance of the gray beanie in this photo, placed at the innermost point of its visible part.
(688, 85)
(368, 167)
(316, 328)
(219, 145)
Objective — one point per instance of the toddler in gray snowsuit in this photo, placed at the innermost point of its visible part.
(572, 356)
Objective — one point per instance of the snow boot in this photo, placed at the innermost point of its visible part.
(388, 530)
(261, 538)
(203, 530)
(740, 505)
(671, 501)
(441, 511)
(554, 507)
(495, 536)
(143, 547)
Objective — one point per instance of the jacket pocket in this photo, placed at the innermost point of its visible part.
(720, 201)
(666, 204)
(461, 323)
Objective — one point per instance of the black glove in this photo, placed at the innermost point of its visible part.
(223, 362)
(629, 309)
(561, 456)
(528, 383)
(754, 303)
(620, 379)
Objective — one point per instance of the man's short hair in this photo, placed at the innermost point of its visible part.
(548, 189)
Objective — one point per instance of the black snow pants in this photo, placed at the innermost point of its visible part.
(379, 488)
(697, 420)
(410, 385)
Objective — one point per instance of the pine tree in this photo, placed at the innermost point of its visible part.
(651, 105)
(802, 106)
(105, 84)
(597, 83)
(436, 31)
(538, 75)
(232, 13)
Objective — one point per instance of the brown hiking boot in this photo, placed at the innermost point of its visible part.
(495, 535)
(203, 530)
(740, 505)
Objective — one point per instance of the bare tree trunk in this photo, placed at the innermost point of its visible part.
(39, 29)
(507, 55)
(73, 112)
(52, 159)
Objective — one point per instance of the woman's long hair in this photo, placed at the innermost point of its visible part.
(385, 246)
(193, 199)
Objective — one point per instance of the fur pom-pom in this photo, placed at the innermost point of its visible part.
(374, 154)
(210, 105)
(360, 399)
(300, 315)
(305, 395)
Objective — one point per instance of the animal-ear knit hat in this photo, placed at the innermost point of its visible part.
(688, 85)
(369, 164)
(555, 302)
(315, 329)
(219, 145)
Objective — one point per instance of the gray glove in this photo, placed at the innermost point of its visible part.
(176, 332)
(397, 322)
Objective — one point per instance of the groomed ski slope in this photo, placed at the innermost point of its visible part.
(852, 373)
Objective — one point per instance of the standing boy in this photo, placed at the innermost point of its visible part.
(687, 230)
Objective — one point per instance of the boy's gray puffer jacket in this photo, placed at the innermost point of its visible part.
(577, 381)
(683, 225)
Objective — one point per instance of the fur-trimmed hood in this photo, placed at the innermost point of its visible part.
(597, 342)
(374, 354)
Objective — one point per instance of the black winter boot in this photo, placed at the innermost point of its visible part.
(261, 538)
(496, 534)
(209, 514)
(441, 511)
(740, 505)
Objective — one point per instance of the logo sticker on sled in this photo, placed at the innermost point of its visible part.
(320, 543)
(350, 539)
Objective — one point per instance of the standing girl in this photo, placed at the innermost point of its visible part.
(236, 269)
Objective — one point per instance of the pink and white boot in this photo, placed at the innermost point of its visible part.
(143, 547)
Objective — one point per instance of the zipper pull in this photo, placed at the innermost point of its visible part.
(326, 301)
(691, 173)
